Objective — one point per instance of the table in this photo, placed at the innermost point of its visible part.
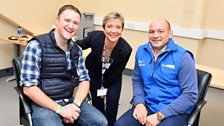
(217, 75)
(17, 44)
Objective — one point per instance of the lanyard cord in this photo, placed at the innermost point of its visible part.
(105, 64)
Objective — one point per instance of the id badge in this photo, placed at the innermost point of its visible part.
(102, 92)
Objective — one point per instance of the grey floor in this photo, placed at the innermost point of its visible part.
(212, 114)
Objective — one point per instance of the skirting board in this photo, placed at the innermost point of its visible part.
(6, 72)
(128, 71)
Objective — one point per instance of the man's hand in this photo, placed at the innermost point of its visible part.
(140, 113)
(152, 120)
(70, 113)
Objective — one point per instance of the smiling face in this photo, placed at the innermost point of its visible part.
(159, 34)
(67, 23)
(113, 30)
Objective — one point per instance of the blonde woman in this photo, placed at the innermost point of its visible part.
(106, 62)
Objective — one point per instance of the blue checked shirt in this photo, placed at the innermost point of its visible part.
(31, 64)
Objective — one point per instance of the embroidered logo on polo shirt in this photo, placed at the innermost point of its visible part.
(141, 63)
(168, 66)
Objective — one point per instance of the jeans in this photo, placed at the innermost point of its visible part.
(127, 119)
(89, 116)
(109, 109)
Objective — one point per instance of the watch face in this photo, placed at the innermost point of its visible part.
(160, 117)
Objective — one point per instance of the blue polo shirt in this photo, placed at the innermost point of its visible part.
(167, 84)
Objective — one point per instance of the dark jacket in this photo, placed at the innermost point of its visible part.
(56, 81)
(120, 56)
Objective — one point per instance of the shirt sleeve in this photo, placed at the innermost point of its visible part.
(138, 86)
(30, 65)
(189, 88)
(82, 71)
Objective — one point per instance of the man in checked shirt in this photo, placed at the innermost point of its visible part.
(52, 66)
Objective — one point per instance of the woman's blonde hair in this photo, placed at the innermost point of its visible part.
(113, 15)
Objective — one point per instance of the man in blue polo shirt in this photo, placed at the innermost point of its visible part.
(164, 81)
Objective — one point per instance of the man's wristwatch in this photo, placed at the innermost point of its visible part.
(160, 116)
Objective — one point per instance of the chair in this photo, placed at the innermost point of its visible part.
(204, 79)
(25, 110)
(24, 106)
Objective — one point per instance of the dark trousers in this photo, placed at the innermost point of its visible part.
(127, 119)
(109, 109)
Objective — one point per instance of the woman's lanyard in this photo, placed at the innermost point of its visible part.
(105, 64)
(102, 92)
